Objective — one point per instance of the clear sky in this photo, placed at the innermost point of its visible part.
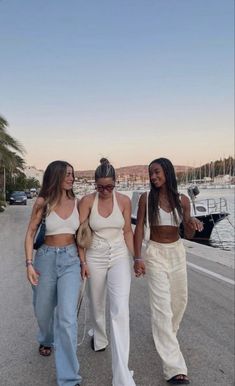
(131, 80)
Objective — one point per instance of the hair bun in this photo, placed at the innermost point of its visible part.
(104, 170)
(104, 161)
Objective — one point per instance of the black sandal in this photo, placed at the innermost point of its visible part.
(45, 351)
(179, 379)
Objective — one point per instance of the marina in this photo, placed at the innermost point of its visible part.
(214, 206)
(222, 235)
(209, 211)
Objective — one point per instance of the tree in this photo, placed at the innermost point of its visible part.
(32, 182)
(11, 162)
(20, 182)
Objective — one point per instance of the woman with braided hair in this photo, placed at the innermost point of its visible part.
(165, 262)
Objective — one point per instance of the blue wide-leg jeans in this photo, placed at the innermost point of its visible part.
(55, 305)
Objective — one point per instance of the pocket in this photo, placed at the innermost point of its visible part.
(39, 258)
(179, 257)
(73, 253)
(182, 251)
(148, 251)
(70, 258)
(40, 252)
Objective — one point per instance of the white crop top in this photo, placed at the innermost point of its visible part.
(56, 225)
(167, 218)
(111, 227)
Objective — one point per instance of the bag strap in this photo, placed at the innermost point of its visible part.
(43, 220)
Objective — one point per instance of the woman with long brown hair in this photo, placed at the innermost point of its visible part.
(55, 271)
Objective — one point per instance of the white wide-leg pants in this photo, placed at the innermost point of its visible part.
(110, 272)
(167, 284)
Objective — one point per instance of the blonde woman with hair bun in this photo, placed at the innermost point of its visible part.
(107, 264)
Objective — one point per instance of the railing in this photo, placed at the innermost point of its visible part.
(199, 207)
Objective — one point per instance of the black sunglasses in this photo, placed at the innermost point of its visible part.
(101, 188)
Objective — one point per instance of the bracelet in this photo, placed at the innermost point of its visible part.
(83, 263)
(138, 259)
(28, 262)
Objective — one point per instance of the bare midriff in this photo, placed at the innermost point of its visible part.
(164, 234)
(59, 240)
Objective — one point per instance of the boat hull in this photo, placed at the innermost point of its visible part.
(209, 221)
(208, 211)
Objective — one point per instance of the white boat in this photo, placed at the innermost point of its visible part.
(209, 210)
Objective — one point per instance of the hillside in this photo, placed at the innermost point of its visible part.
(135, 170)
(225, 166)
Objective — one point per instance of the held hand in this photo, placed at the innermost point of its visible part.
(139, 267)
(195, 224)
(84, 271)
(32, 275)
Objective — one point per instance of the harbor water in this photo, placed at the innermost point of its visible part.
(223, 233)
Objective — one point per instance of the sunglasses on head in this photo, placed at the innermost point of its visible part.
(101, 188)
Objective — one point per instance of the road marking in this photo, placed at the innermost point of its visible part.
(217, 275)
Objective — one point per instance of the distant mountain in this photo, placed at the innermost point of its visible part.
(135, 170)
(225, 166)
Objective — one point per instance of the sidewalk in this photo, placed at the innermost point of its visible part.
(206, 334)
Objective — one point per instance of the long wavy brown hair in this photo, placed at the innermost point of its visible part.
(53, 178)
(173, 195)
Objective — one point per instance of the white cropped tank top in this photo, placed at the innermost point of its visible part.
(56, 225)
(167, 218)
(108, 228)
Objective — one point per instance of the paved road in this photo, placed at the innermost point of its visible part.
(206, 334)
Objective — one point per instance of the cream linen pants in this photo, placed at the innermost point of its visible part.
(110, 273)
(167, 284)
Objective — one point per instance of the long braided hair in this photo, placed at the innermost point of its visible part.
(171, 189)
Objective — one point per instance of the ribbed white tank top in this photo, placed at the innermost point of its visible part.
(55, 225)
(108, 228)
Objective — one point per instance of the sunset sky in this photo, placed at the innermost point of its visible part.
(130, 80)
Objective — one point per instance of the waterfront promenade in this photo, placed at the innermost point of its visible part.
(206, 335)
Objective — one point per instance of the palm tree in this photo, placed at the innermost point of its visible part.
(10, 160)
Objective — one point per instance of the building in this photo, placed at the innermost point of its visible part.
(222, 179)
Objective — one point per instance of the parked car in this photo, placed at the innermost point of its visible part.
(28, 194)
(18, 197)
(33, 192)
